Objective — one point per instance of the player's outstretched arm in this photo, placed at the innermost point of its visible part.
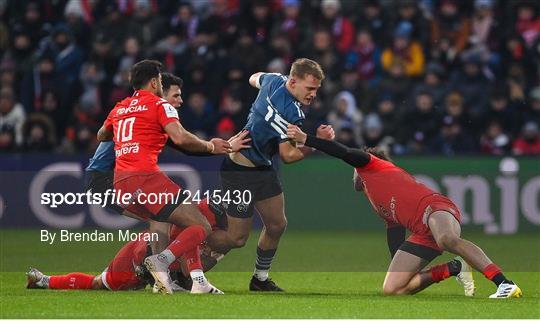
(191, 143)
(238, 142)
(254, 80)
(182, 150)
(324, 132)
(352, 156)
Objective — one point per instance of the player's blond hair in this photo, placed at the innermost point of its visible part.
(303, 67)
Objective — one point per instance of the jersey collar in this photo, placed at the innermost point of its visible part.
(142, 92)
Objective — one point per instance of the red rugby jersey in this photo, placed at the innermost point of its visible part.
(393, 193)
(138, 125)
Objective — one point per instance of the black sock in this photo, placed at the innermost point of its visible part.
(454, 267)
(500, 278)
(264, 258)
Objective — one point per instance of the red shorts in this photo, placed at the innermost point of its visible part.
(148, 196)
(120, 274)
(421, 233)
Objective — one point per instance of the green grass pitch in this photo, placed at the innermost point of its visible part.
(326, 275)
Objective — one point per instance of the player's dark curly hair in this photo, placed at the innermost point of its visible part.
(143, 71)
(168, 80)
(378, 152)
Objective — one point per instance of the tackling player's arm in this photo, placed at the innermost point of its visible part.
(238, 142)
(290, 155)
(167, 117)
(191, 143)
(352, 156)
(172, 145)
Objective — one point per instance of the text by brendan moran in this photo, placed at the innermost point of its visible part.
(96, 236)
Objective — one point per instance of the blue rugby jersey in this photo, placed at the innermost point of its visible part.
(271, 112)
(103, 159)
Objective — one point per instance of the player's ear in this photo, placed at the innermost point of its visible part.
(154, 82)
(292, 81)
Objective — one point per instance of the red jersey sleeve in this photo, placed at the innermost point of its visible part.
(375, 165)
(166, 113)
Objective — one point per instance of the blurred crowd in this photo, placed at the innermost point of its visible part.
(444, 77)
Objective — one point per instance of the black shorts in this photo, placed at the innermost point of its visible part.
(100, 182)
(262, 183)
(424, 252)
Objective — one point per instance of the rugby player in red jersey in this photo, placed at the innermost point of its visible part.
(140, 126)
(125, 272)
(432, 218)
(101, 166)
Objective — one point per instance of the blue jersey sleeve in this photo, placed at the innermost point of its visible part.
(103, 159)
(271, 79)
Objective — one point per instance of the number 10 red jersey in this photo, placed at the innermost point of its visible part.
(138, 125)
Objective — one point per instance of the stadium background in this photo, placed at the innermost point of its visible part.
(448, 87)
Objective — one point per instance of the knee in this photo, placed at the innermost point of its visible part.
(395, 284)
(238, 241)
(276, 228)
(447, 241)
(390, 289)
(207, 227)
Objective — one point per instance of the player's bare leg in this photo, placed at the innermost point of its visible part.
(405, 275)
(235, 236)
(188, 215)
(447, 233)
(272, 214)
(185, 215)
(162, 231)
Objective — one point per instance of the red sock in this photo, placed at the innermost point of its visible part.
(71, 281)
(193, 259)
(491, 271)
(440, 272)
(187, 240)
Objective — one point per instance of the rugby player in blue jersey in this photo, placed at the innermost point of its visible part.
(278, 104)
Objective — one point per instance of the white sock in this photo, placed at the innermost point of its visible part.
(168, 256)
(261, 275)
(197, 275)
